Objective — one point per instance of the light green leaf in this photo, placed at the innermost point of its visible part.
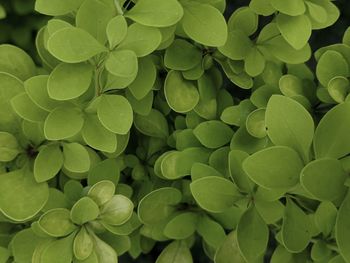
(55, 7)
(102, 192)
(29, 202)
(102, 13)
(289, 124)
(289, 7)
(324, 179)
(181, 55)
(145, 79)
(156, 13)
(234, 49)
(117, 210)
(84, 210)
(204, 24)
(254, 62)
(69, 81)
(115, 113)
(97, 136)
(116, 30)
(104, 252)
(274, 167)
(59, 251)
(9, 147)
(63, 122)
(229, 252)
(214, 194)
(244, 19)
(57, 222)
(23, 245)
(212, 232)
(141, 39)
(325, 217)
(262, 7)
(82, 245)
(331, 64)
(240, 178)
(181, 95)
(175, 252)
(48, 163)
(342, 227)
(76, 158)
(122, 63)
(154, 124)
(27, 109)
(296, 233)
(331, 133)
(252, 235)
(213, 134)
(255, 123)
(73, 45)
(338, 88)
(36, 88)
(16, 62)
(158, 205)
(181, 226)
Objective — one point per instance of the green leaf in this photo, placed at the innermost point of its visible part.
(115, 113)
(145, 79)
(84, 210)
(212, 232)
(182, 95)
(36, 88)
(29, 202)
(213, 134)
(296, 232)
(158, 205)
(214, 194)
(262, 7)
(57, 222)
(229, 252)
(331, 64)
(342, 227)
(156, 13)
(16, 62)
(274, 167)
(69, 81)
(23, 245)
(175, 252)
(105, 170)
(116, 31)
(59, 251)
(234, 49)
(181, 226)
(200, 170)
(252, 235)
(73, 45)
(76, 158)
(289, 124)
(63, 122)
(254, 62)
(102, 13)
(102, 192)
(122, 63)
(83, 244)
(97, 136)
(181, 55)
(324, 179)
(325, 217)
(9, 147)
(255, 123)
(141, 39)
(104, 252)
(48, 163)
(331, 133)
(296, 30)
(204, 24)
(55, 7)
(244, 19)
(238, 175)
(117, 210)
(289, 7)
(338, 88)
(154, 124)
(27, 109)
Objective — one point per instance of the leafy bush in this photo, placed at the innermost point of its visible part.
(178, 130)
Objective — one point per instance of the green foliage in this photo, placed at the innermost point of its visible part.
(177, 128)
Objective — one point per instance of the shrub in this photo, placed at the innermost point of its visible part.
(176, 129)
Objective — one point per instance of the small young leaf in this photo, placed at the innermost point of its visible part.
(102, 192)
(9, 147)
(76, 158)
(116, 31)
(83, 244)
(117, 210)
(122, 63)
(84, 210)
